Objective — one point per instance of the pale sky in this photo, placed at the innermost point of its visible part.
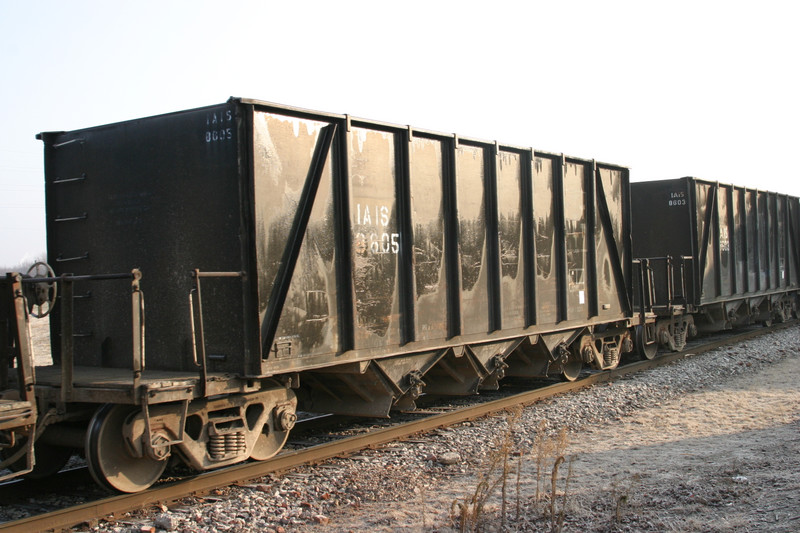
(669, 89)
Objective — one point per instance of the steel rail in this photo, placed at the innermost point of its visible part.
(112, 508)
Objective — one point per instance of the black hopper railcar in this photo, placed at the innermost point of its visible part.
(297, 259)
(714, 257)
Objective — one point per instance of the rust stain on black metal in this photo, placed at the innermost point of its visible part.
(295, 241)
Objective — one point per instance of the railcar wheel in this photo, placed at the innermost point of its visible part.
(571, 369)
(645, 351)
(274, 434)
(111, 464)
(268, 444)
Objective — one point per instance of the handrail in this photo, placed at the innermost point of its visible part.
(67, 324)
(137, 327)
(196, 316)
(90, 277)
(644, 286)
(675, 295)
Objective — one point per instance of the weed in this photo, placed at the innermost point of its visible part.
(469, 511)
(548, 454)
(557, 519)
(621, 497)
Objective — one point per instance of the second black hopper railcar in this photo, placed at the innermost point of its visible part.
(718, 255)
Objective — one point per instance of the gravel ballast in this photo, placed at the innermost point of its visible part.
(618, 442)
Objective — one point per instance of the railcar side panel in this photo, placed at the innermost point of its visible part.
(575, 232)
(374, 229)
(546, 240)
(429, 238)
(750, 235)
(510, 237)
(739, 218)
(283, 149)
(472, 242)
(612, 243)
(709, 232)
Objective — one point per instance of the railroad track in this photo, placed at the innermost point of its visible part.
(114, 507)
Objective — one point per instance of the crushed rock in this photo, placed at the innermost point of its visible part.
(401, 487)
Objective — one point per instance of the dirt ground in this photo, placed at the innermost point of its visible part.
(724, 458)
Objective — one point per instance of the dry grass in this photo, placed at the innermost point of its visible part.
(470, 513)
